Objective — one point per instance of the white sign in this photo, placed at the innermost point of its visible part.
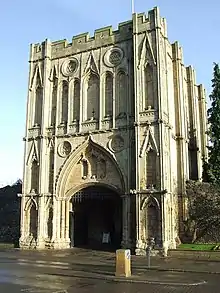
(128, 253)
(106, 238)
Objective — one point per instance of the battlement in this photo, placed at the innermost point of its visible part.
(107, 32)
(103, 36)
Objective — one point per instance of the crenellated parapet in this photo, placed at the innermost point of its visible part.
(102, 37)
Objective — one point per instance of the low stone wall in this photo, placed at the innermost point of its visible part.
(195, 254)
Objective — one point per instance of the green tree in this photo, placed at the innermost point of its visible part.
(10, 213)
(213, 168)
(203, 223)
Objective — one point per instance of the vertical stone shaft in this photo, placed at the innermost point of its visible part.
(63, 216)
(67, 220)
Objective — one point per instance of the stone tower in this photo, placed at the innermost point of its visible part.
(115, 126)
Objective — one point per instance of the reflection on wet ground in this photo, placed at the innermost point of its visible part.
(81, 271)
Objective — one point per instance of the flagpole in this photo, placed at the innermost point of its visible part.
(132, 6)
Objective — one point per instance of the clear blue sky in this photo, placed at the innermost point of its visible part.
(195, 24)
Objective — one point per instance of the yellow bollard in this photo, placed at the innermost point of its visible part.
(123, 263)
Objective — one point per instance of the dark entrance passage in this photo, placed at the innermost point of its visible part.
(96, 219)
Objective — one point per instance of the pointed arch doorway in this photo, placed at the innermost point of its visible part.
(96, 218)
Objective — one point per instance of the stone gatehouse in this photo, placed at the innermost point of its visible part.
(115, 125)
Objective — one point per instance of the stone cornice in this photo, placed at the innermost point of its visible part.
(148, 191)
(35, 194)
(154, 122)
(68, 135)
(179, 137)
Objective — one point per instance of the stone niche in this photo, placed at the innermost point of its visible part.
(150, 219)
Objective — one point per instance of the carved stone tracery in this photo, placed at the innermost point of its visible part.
(69, 66)
(117, 143)
(93, 164)
(64, 148)
(113, 57)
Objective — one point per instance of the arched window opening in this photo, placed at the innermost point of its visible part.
(38, 105)
(152, 221)
(85, 168)
(35, 176)
(102, 168)
(54, 102)
(151, 168)
(121, 101)
(108, 94)
(93, 97)
(50, 223)
(149, 91)
(94, 166)
(64, 115)
(76, 101)
(51, 171)
(33, 221)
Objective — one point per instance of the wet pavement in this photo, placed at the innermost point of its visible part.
(82, 271)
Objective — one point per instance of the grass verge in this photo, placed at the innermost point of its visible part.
(191, 246)
(6, 245)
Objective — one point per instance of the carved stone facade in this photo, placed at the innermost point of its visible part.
(118, 111)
